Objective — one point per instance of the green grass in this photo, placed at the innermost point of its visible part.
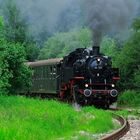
(130, 99)
(34, 119)
(126, 114)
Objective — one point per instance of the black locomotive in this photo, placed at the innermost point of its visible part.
(84, 76)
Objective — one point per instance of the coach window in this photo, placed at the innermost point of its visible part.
(51, 72)
(54, 71)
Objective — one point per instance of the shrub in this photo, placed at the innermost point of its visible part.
(14, 73)
(129, 98)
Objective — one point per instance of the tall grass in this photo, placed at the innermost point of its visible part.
(129, 98)
(34, 119)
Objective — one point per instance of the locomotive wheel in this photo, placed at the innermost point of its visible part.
(76, 96)
(68, 97)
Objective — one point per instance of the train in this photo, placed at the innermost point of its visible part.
(85, 76)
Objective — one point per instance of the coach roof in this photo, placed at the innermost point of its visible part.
(44, 62)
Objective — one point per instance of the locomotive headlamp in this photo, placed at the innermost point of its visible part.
(86, 85)
(113, 85)
(98, 59)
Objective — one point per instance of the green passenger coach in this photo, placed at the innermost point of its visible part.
(45, 76)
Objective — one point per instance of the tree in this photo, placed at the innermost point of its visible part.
(136, 24)
(14, 74)
(109, 48)
(137, 78)
(15, 58)
(63, 43)
(32, 51)
(129, 60)
(16, 30)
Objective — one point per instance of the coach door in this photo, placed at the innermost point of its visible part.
(52, 82)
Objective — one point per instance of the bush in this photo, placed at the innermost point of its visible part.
(14, 73)
(129, 98)
(129, 60)
(137, 78)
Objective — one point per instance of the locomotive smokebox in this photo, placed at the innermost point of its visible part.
(96, 50)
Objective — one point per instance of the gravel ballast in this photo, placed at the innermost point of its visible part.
(134, 133)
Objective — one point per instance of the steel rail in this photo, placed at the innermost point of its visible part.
(116, 135)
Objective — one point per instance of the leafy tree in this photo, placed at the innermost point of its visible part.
(14, 74)
(136, 24)
(63, 43)
(109, 48)
(15, 25)
(15, 58)
(137, 78)
(32, 50)
(1, 28)
(129, 60)
(5, 75)
(16, 29)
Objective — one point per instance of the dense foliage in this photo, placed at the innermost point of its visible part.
(63, 43)
(129, 60)
(16, 29)
(129, 98)
(14, 74)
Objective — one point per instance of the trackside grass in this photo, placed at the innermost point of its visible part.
(129, 98)
(34, 119)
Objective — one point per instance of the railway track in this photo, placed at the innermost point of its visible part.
(116, 135)
(119, 133)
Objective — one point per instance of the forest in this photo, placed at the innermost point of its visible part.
(41, 30)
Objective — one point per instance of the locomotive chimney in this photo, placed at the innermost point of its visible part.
(96, 50)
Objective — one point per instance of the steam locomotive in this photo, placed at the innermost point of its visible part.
(85, 76)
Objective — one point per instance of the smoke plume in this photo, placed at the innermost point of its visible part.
(109, 16)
